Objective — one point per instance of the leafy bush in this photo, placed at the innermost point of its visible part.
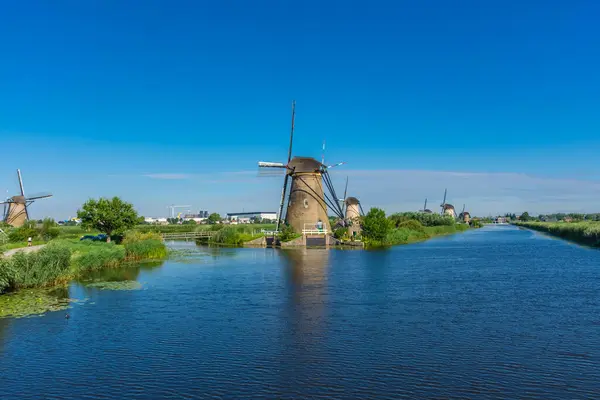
(475, 223)
(287, 233)
(49, 229)
(375, 226)
(136, 236)
(426, 219)
(412, 225)
(24, 232)
(340, 233)
(227, 235)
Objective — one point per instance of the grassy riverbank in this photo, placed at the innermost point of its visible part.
(65, 259)
(587, 233)
(413, 232)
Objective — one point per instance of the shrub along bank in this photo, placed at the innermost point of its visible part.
(63, 260)
(587, 233)
(404, 228)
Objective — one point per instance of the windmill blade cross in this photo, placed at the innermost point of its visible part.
(44, 196)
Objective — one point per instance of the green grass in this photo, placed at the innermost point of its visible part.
(46, 267)
(145, 249)
(65, 259)
(412, 231)
(587, 233)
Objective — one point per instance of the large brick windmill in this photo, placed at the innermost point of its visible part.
(307, 202)
(16, 208)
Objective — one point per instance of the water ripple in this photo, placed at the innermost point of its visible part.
(492, 314)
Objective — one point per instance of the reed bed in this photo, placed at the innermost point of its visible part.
(587, 232)
(66, 259)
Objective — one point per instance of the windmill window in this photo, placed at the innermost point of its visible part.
(305, 203)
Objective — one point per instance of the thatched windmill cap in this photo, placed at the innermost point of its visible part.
(304, 164)
(352, 201)
(448, 206)
(18, 199)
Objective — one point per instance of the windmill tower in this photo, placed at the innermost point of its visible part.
(307, 201)
(352, 213)
(16, 208)
(447, 208)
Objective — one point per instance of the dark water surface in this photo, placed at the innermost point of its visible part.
(493, 313)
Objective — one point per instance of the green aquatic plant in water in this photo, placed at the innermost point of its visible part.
(116, 285)
(33, 302)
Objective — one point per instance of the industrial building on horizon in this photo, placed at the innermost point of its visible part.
(248, 217)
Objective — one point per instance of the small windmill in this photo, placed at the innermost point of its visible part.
(464, 216)
(425, 209)
(447, 209)
(307, 201)
(352, 210)
(16, 208)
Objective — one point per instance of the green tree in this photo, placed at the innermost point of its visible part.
(214, 218)
(375, 226)
(111, 216)
(525, 216)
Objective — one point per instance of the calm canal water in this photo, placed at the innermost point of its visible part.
(494, 313)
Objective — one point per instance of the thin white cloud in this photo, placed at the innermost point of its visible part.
(168, 176)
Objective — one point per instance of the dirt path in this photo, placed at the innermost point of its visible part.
(9, 253)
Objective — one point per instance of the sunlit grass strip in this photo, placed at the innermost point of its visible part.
(587, 233)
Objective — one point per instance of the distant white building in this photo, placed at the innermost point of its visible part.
(247, 217)
(157, 221)
(199, 217)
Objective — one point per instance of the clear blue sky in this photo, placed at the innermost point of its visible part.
(102, 98)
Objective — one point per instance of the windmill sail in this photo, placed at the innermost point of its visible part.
(444, 202)
(285, 179)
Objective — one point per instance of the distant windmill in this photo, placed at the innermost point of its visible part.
(464, 216)
(425, 209)
(352, 210)
(307, 201)
(447, 209)
(16, 208)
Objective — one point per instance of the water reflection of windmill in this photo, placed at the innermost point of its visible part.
(16, 208)
(307, 202)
